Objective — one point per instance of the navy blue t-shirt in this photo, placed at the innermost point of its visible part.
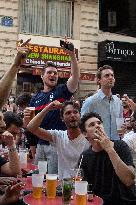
(40, 100)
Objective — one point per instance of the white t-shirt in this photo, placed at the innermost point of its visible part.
(68, 151)
(130, 139)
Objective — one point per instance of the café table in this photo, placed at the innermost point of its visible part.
(31, 166)
(57, 201)
(43, 200)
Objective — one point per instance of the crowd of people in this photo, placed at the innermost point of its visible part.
(66, 133)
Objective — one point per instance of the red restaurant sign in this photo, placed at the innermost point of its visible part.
(66, 74)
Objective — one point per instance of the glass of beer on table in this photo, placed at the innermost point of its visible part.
(119, 123)
(37, 185)
(42, 166)
(81, 192)
(77, 174)
(23, 157)
(32, 114)
(51, 184)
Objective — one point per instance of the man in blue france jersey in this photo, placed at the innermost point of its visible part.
(52, 92)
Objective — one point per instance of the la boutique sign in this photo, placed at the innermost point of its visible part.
(111, 48)
(119, 51)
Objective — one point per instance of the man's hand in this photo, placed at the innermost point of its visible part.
(130, 103)
(103, 140)
(12, 193)
(22, 52)
(8, 139)
(71, 53)
(54, 105)
(27, 116)
(8, 181)
(5, 182)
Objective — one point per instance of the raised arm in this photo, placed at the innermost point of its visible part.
(131, 103)
(7, 80)
(72, 82)
(34, 124)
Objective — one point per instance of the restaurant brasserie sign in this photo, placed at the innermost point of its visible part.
(40, 54)
(117, 51)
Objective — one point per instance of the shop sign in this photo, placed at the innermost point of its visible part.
(66, 74)
(83, 76)
(40, 54)
(117, 51)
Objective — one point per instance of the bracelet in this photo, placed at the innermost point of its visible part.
(13, 149)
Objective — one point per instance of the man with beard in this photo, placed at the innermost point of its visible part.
(52, 92)
(107, 165)
(108, 106)
(69, 143)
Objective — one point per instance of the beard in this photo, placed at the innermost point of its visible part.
(73, 125)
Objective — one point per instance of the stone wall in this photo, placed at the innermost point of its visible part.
(88, 43)
(8, 36)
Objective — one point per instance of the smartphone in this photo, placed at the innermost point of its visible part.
(62, 43)
(68, 46)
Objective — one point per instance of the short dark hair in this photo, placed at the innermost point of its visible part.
(12, 118)
(86, 117)
(23, 99)
(49, 64)
(104, 67)
(65, 104)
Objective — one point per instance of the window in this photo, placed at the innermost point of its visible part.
(118, 16)
(46, 17)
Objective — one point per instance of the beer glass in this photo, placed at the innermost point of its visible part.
(51, 184)
(23, 158)
(77, 174)
(42, 167)
(81, 192)
(37, 184)
(32, 114)
(119, 123)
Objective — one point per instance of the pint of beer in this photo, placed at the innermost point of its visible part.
(119, 123)
(32, 114)
(42, 166)
(51, 184)
(37, 184)
(81, 192)
(23, 158)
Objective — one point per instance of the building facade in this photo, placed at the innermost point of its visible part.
(79, 19)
